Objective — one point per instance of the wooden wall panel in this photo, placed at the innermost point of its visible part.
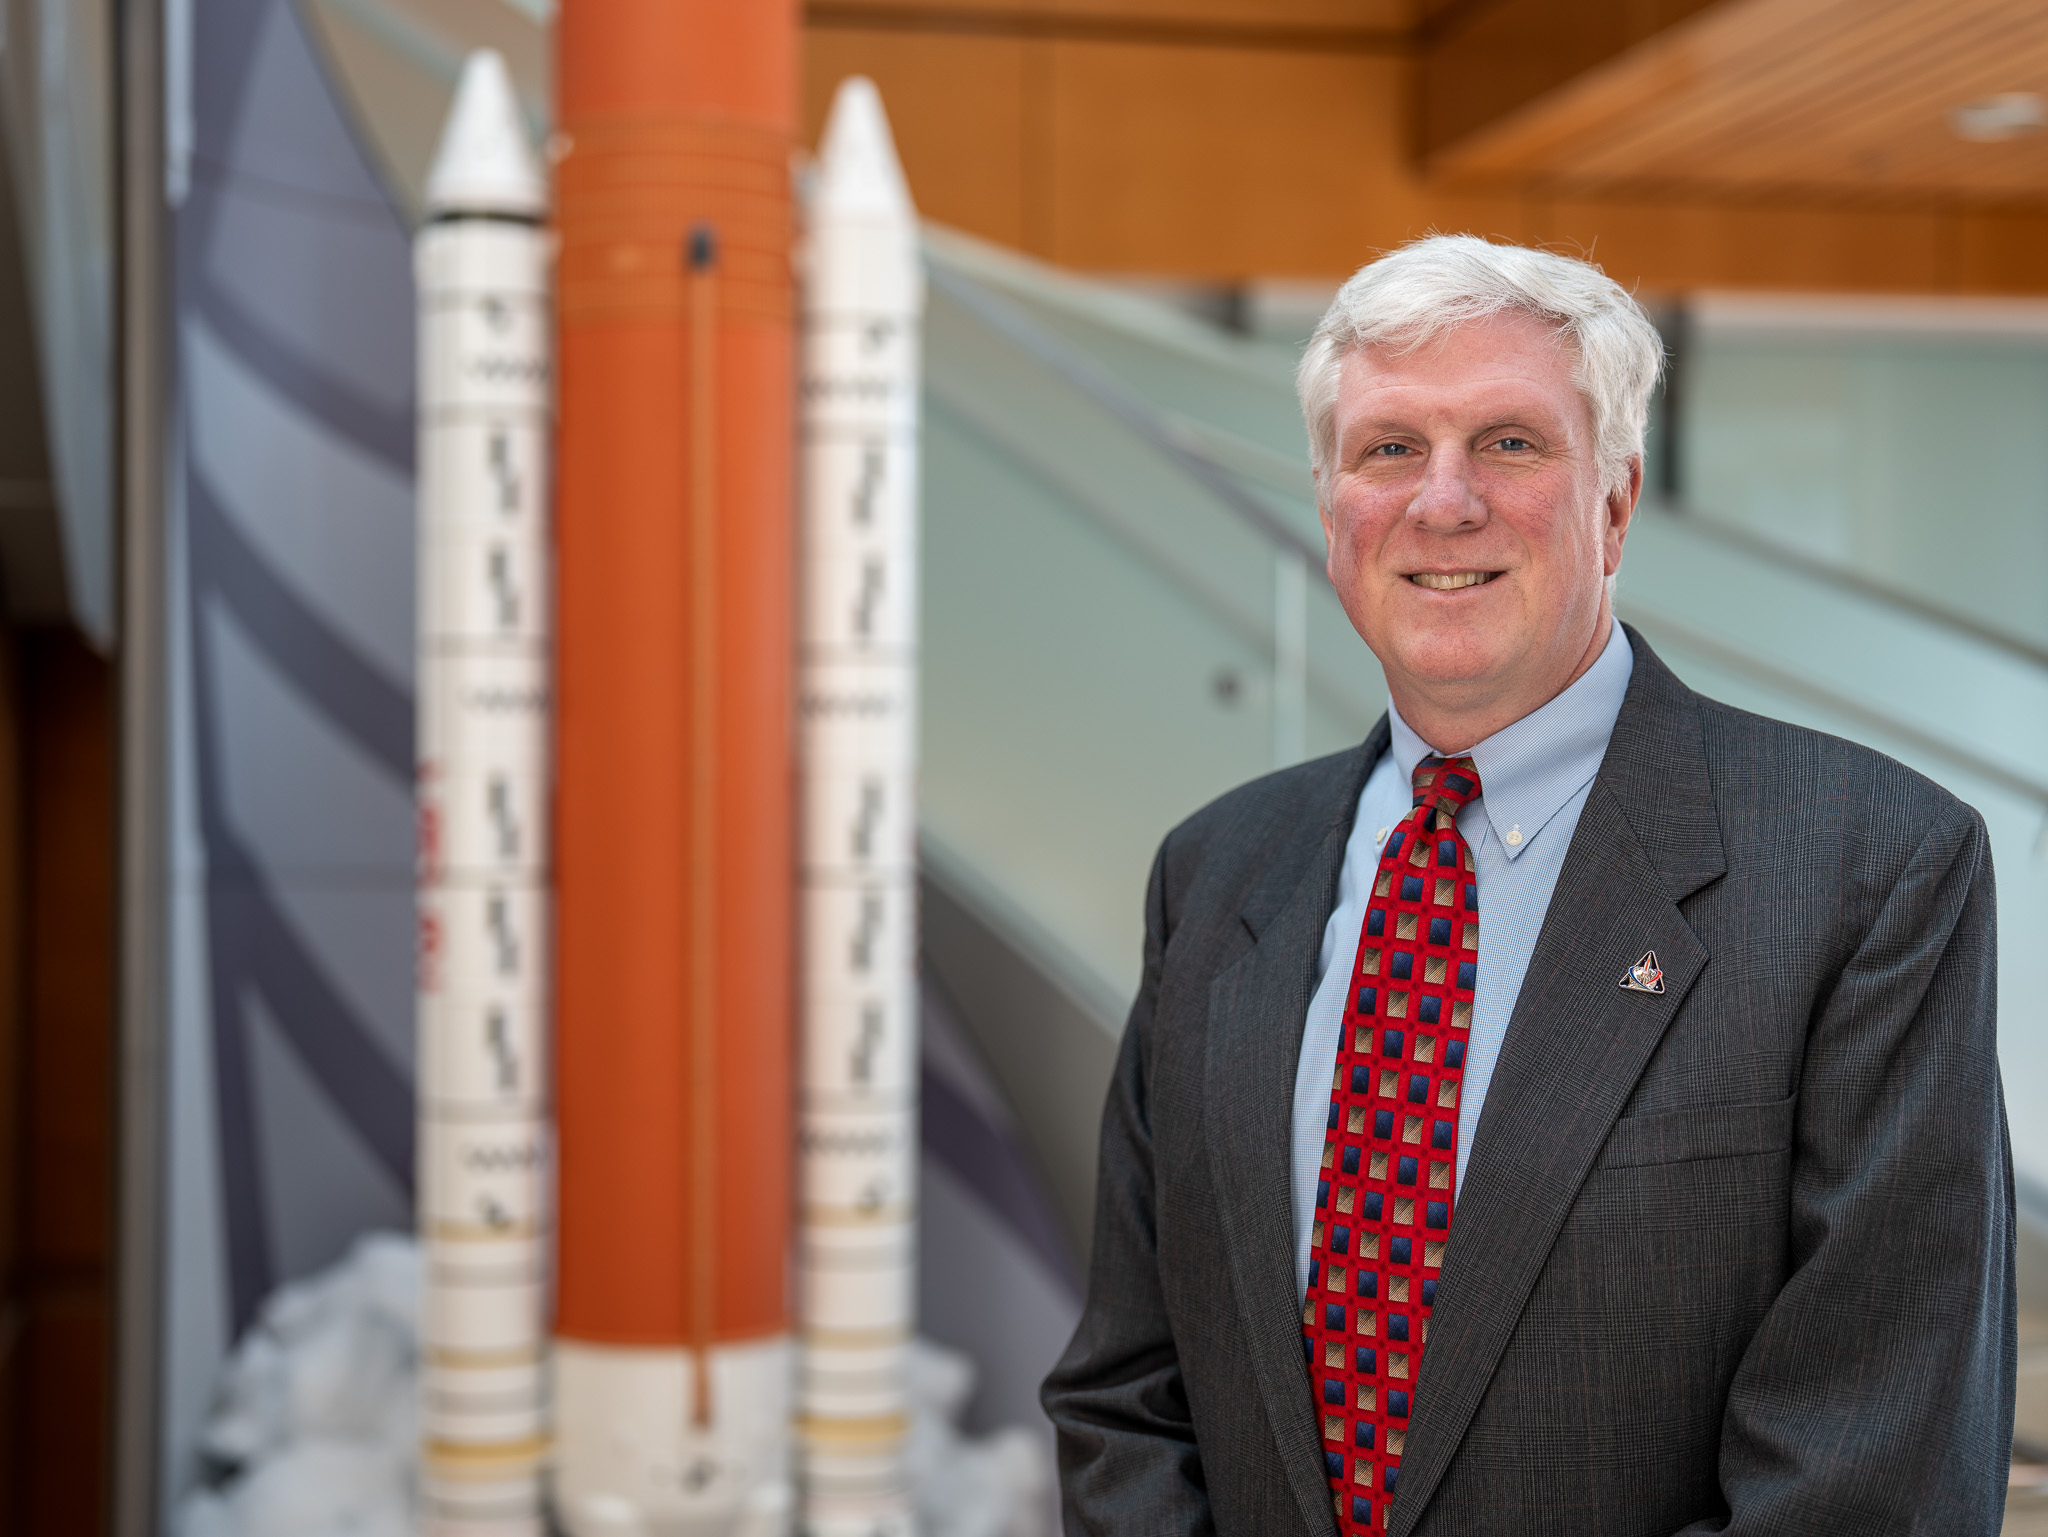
(11, 991)
(1215, 163)
(1023, 15)
(60, 1116)
(64, 1411)
(1222, 164)
(1199, 162)
(1671, 247)
(2002, 251)
(957, 105)
(1232, 165)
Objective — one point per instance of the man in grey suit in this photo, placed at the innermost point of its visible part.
(1683, 1202)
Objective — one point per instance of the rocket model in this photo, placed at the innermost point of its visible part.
(675, 828)
(857, 686)
(483, 801)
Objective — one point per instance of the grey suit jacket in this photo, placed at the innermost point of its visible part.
(1736, 1258)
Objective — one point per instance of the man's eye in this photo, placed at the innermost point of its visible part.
(1388, 450)
(1514, 445)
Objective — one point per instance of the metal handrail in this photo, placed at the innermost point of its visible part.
(1827, 572)
(1122, 402)
(1154, 427)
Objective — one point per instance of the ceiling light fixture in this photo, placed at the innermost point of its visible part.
(2013, 115)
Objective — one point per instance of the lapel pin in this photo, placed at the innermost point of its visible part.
(1643, 977)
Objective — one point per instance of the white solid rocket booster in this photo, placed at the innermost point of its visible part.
(863, 299)
(481, 265)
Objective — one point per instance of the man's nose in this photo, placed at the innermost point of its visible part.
(1447, 501)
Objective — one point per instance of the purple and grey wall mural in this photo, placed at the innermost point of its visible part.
(292, 923)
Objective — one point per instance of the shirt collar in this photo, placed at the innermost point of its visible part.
(1528, 770)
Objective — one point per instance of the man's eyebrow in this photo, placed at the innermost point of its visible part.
(1521, 422)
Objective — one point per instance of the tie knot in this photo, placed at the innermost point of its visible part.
(1447, 784)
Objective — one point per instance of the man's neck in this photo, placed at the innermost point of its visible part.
(1454, 726)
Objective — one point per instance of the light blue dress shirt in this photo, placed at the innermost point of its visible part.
(1534, 777)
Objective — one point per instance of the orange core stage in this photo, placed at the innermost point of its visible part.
(675, 802)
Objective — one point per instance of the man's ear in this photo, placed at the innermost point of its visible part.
(1329, 524)
(1622, 500)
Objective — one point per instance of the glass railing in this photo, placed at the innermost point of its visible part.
(1122, 620)
(1125, 616)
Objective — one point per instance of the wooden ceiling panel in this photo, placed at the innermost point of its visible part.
(1825, 107)
(1484, 59)
(1838, 96)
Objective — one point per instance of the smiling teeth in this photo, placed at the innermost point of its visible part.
(1448, 581)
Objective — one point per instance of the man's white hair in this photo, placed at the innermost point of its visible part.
(1414, 295)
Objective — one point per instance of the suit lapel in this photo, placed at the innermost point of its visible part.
(1575, 1047)
(1257, 1008)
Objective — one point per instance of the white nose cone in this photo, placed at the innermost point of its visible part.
(484, 165)
(858, 173)
(863, 255)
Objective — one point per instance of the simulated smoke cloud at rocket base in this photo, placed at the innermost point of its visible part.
(857, 689)
(313, 1424)
(483, 800)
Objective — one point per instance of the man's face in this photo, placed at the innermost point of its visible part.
(1470, 537)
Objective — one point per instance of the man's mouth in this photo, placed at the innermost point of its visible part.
(1450, 581)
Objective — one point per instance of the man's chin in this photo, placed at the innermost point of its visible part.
(1452, 661)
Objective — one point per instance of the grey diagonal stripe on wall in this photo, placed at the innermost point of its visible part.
(253, 949)
(384, 431)
(995, 1168)
(352, 692)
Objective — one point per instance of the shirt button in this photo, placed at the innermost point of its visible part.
(1515, 836)
(1383, 834)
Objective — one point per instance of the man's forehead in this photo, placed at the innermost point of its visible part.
(1480, 367)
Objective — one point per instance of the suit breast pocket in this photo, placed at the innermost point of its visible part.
(1707, 1131)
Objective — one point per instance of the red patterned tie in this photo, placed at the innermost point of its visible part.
(1384, 1194)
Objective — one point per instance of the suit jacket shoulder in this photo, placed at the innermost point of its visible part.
(1757, 760)
(1858, 814)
